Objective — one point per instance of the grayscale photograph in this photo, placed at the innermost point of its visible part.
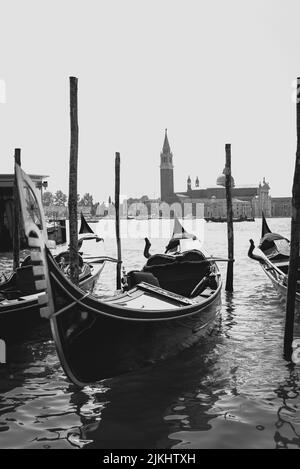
(149, 227)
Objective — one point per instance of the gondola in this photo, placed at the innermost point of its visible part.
(164, 308)
(89, 244)
(274, 258)
(19, 301)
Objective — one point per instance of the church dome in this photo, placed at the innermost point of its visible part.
(221, 181)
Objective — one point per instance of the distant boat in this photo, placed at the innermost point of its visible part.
(224, 219)
(274, 257)
(19, 300)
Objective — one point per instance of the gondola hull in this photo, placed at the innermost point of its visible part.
(274, 259)
(20, 318)
(98, 340)
(279, 282)
(113, 347)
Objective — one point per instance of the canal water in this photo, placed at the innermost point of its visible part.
(233, 390)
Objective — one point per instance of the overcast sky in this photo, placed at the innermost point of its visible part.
(211, 71)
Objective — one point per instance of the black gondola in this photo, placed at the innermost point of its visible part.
(274, 258)
(20, 301)
(168, 306)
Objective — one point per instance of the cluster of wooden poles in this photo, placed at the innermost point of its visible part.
(73, 220)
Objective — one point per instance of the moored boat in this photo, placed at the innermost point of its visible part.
(224, 219)
(165, 307)
(20, 302)
(274, 258)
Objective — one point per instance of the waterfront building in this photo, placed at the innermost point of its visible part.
(248, 201)
(7, 206)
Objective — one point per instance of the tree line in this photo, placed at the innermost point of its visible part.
(59, 199)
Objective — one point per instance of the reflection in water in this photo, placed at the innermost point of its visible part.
(230, 313)
(233, 391)
(286, 434)
(158, 400)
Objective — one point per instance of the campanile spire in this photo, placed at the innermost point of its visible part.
(166, 172)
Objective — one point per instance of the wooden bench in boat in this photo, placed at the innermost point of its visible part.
(207, 292)
(173, 296)
(161, 292)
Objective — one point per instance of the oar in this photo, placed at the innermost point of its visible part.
(208, 259)
(217, 259)
(272, 266)
(97, 259)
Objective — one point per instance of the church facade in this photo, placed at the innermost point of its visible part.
(248, 201)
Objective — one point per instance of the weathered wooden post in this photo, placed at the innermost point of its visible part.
(117, 209)
(16, 220)
(294, 248)
(72, 203)
(228, 182)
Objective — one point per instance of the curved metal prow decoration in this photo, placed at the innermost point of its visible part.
(178, 233)
(84, 226)
(250, 252)
(147, 247)
(36, 232)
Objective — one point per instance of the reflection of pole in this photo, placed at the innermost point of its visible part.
(229, 277)
(287, 392)
(73, 223)
(16, 221)
(294, 250)
(117, 208)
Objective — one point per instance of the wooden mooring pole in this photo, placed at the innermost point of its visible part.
(228, 183)
(294, 248)
(72, 203)
(117, 209)
(16, 220)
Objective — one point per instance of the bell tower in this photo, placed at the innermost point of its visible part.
(166, 172)
(189, 184)
(264, 199)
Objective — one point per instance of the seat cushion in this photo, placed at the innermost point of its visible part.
(136, 276)
(25, 280)
(179, 277)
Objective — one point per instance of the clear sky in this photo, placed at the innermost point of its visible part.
(211, 71)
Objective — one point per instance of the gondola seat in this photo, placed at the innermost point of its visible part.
(25, 282)
(179, 274)
(136, 276)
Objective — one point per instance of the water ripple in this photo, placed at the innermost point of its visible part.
(234, 390)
